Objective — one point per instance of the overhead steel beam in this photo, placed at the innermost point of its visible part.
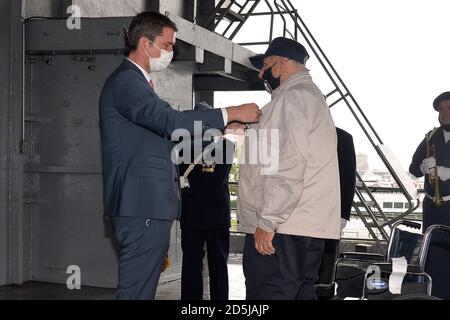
(214, 54)
(218, 82)
(211, 42)
(108, 35)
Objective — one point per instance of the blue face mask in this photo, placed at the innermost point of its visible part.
(270, 82)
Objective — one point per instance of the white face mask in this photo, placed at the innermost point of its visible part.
(161, 63)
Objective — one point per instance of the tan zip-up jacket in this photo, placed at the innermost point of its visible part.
(294, 191)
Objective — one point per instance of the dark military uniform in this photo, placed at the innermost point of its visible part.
(438, 262)
(347, 174)
(206, 219)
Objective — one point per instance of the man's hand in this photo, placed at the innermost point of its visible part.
(443, 173)
(427, 165)
(246, 113)
(236, 128)
(166, 263)
(263, 242)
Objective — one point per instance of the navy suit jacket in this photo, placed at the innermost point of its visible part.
(139, 178)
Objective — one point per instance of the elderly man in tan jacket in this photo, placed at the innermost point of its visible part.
(289, 201)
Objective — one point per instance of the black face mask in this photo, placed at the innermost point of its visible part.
(271, 83)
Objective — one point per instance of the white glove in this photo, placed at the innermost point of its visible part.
(343, 224)
(427, 165)
(443, 173)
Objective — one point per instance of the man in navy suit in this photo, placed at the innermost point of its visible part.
(206, 220)
(141, 184)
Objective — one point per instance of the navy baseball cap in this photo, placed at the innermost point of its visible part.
(282, 47)
(442, 97)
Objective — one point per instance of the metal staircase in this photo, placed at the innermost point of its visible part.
(370, 212)
(237, 14)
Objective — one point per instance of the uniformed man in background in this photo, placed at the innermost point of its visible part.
(347, 177)
(205, 220)
(431, 164)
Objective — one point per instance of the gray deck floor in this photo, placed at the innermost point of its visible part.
(167, 291)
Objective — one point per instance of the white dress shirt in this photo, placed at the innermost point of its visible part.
(144, 72)
(148, 77)
(446, 136)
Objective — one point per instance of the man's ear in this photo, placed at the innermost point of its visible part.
(283, 61)
(286, 60)
(142, 42)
